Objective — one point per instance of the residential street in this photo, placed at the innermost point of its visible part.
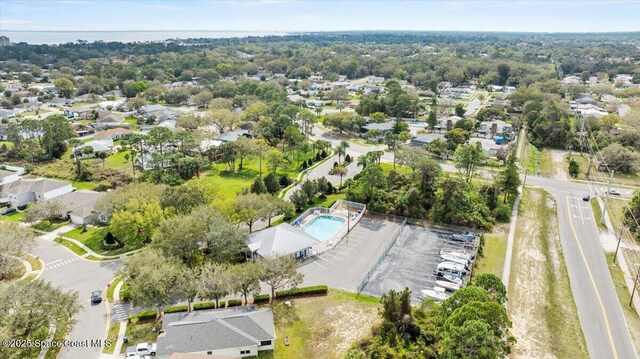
(70, 273)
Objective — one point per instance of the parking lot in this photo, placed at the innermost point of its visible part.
(347, 263)
(410, 263)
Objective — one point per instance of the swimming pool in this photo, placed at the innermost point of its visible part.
(323, 227)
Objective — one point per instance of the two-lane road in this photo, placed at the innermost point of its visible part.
(71, 273)
(599, 310)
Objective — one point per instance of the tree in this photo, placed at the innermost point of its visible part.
(472, 340)
(432, 120)
(116, 200)
(249, 208)
(258, 186)
(493, 285)
(621, 158)
(48, 210)
(28, 308)
(274, 206)
(64, 86)
(509, 179)
(75, 143)
(503, 73)
(271, 183)
(137, 221)
(215, 282)
(342, 148)
(183, 199)
(340, 171)
(245, 279)
(224, 119)
(180, 237)
(280, 272)
(275, 160)
(411, 157)
(57, 130)
(456, 137)
(15, 241)
(222, 241)
(299, 200)
(574, 168)
(245, 147)
(25, 79)
(459, 109)
(156, 285)
(467, 157)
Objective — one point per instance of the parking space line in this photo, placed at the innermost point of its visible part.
(326, 260)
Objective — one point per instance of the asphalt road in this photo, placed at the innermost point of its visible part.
(65, 270)
(599, 309)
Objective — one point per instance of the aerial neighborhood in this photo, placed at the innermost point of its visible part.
(365, 195)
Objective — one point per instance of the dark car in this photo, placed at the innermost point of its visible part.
(96, 296)
(586, 198)
(7, 211)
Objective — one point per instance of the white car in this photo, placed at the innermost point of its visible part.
(141, 350)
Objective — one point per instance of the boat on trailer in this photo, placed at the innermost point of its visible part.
(452, 287)
(437, 293)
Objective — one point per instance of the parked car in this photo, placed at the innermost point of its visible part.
(96, 296)
(142, 349)
(614, 192)
(7, 211)
(586, 198)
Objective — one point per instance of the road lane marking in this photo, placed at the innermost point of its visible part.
(593, 283)
(50, 263)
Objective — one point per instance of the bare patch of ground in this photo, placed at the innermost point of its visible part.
(541, 306)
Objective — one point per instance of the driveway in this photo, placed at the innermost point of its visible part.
(70, 273)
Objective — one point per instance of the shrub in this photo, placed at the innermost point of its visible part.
(316, 289)
(502, 213)
(310, 162)
(324, 154)
(318, 156)
(261, 298)
(176, 309)
(125, 293)
(303, 166)
(234, 302)
(204, 305)
(347, 158)
(109, 238)
(285, 181)
(145, 315)
(271, 183)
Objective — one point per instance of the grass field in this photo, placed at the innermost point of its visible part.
(323, 326)
(72, 246)
(9, 144)
(94, 236)
(494, 250)
(112, 288)
(541, 304)
(48, 226)
(141, 332)
(388, 167)
(538, 161)
(13, 217)
(597, 214)
(35, 262)
(112, 335)
(600, 176)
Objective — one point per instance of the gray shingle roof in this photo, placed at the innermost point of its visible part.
(280, 240)
(215, 330)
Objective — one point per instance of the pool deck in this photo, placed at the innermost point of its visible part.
(338, 235)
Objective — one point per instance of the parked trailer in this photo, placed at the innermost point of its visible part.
(454, 259)
(461, 253)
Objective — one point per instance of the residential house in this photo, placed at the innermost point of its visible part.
(590, 110)
(78, 206)
(97, 146)
(232, 136)
(383, 127)
(83, 130)
(81, 112)
(495, 127)
(239, 331)
(446, 123)
(114, 134)
(108, 119)
(315, 103)
(490, 148)
(571, 80)
(375, 80)
(24, 191)
(8, 177)
(425, 139)
(283, 239)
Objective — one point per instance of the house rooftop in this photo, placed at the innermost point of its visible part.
(282, 239)
(215, 330)
(80, 203)
(40, 185)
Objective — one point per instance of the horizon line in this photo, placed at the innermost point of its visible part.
(342, 31)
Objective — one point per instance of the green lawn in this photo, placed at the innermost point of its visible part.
(48, 226)
(112, 335)
(9, 144)
(13, 217)
(72, 246)
(94, 236)
(141, 332)
(112, 288)
(537, 161)
(133, 123)
(232, 183)
(35, 262)
(118, 162)
(387, 167)
(595, 175)
(494, 251)
(85, 185)
(597, 214)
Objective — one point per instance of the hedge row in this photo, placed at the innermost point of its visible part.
(205, 305)
(317, 289)
(176, 309)
(234, 302)
(144, 315)
(261, 298)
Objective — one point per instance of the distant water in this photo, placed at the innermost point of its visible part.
(61, 37)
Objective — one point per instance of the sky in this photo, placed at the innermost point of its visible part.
(322, 15)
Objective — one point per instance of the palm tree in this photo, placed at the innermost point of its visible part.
(340, 171)
(342, 148)
(75, 143)
(340, 151)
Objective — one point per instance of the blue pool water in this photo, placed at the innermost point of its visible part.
(323, 227)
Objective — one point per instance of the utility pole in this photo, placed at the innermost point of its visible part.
(615, 255)
(635, 284)
(606, 201)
